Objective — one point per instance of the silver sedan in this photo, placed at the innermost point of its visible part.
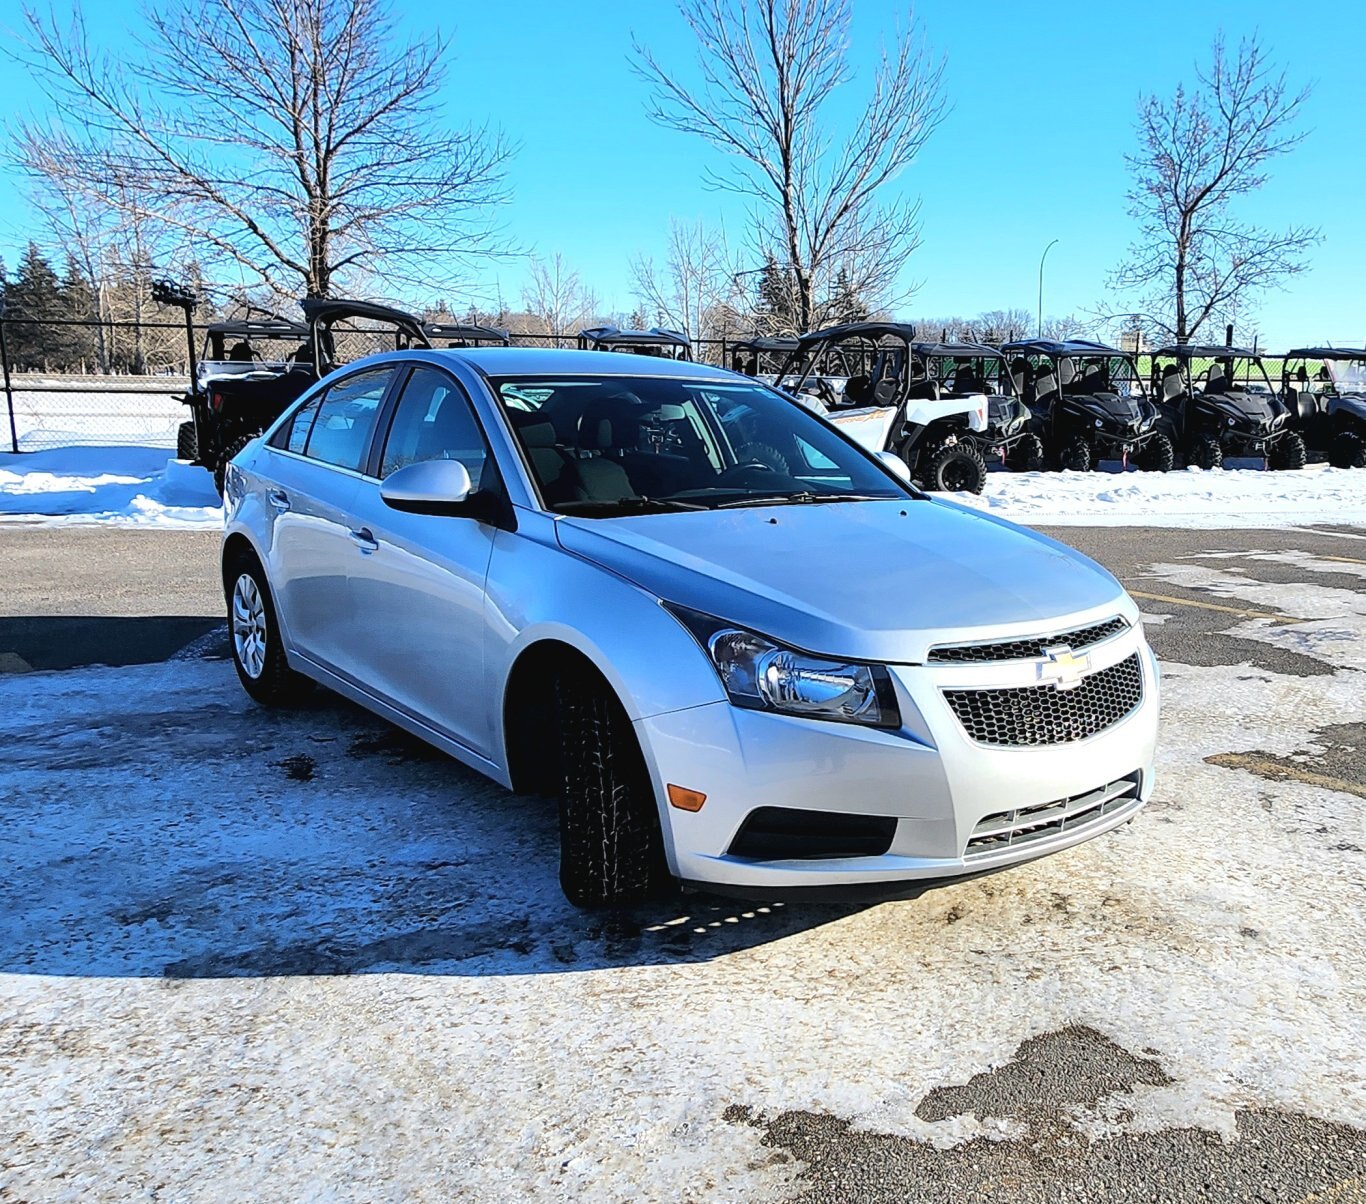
(741, 651)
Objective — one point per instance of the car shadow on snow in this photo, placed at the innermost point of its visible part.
(164, 826)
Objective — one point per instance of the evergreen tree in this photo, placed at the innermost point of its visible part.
(79, 352)
(775, 302)
(33, 300)
(845, 304)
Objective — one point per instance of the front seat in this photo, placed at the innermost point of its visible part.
(858, 391)
(555, 470)
(599, 479)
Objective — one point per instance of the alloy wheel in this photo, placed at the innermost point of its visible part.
(249, 626)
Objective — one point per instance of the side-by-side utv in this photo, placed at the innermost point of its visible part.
(665, 344)
(1217, 401)
(762, 356)
(1088, 404)
(460, 334)
(1324, 388)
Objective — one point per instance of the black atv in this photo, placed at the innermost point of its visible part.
(1088, 404)
(664, 344)
(1328, 408)
(457, 334)
(252, 370)
(1217, 401)
(971, 370)
(867, 378)
(762, 356)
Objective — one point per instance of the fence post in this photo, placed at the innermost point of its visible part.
(9, 391)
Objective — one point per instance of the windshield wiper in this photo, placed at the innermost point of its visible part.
(803, 498)
(628, 505)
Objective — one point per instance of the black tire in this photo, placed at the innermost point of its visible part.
(220, 470)
(1205, 452)
(1027, 455)
(271, 682)
(1156, 455)
(1288, 452)
(762, 453)
(611, 845)
(956, 468)
(186, 442)
(1347, 450)
(1074, 455)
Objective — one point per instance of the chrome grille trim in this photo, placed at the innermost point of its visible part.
(1027, 647)
(1028, 716)
(1005, 830)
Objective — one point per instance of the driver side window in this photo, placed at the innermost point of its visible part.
(434, 421)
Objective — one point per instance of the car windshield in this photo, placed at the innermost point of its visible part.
(611, 445)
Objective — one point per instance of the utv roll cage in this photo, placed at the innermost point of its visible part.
(1328, 408)
(459, 334)
(762, 355)
(667, 344)
(857, 351)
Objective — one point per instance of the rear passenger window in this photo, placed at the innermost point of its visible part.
(341, 430)
(433, 421)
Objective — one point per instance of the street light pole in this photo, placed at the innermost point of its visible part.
(1041, 259)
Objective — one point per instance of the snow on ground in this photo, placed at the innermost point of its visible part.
(294, 955)
(131, 486)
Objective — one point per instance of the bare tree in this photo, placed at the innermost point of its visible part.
(297, 141)
(1194, 263)
(696, 290)
(555, 298)
(768, 70)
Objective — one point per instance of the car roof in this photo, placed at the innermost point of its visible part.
(1060, 347)
(567, 361)
(1206, 351)
(1327, 353)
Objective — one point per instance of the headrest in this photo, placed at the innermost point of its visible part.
(595, 433)
(539, 434)
(1066, 370)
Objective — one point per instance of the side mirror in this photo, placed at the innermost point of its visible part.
(897, 465)
(429, 487)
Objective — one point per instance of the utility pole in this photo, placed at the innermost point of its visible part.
(1039, 333)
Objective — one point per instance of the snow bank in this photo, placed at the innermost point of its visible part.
(132, 486)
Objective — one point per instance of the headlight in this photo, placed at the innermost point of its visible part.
(1230, 421)
(763, 675)
(1147, 422)
(1099, 423)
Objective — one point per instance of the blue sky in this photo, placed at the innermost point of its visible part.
(1043, 100)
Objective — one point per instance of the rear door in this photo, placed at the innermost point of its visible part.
(314, 477)
(418, 585)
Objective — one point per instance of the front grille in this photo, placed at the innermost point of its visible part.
(1027, 648)
(1032, 715)
(1023, 825)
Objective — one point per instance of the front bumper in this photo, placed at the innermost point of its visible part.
(940, 786)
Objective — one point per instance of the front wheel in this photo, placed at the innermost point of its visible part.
(1075, 455)
(1206, 452)
(258, 654)
(1156, 455)
(1288, 452)
(186, 442)
(1348, 450)
(956, 468)
(1027, 455)
(611, 844)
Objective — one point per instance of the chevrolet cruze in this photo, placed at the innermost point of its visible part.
(742, 651)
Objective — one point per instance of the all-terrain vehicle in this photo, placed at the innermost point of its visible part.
(763, 356)
(252, 370)
(1218, 401)
(867, 378)
(1328, 405)
(1088, 404)
(666, 344)
(460, 334)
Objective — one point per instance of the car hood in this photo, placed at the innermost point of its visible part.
(870, 580)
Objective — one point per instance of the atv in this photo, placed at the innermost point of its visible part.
(464, 335)
(1088, 404)
(1329, 408)
(867, 378)
(1217, 401)
(664, 344)
(253, 370)
(762, 356)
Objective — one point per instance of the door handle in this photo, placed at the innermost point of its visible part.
(365, 540)
(279, 499)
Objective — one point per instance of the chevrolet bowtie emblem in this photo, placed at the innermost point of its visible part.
(1063, 667)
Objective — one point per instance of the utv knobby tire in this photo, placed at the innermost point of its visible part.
(1206, 453)
(1288, 452)
(762, 453)
(956, 468)
(277, 685)
(1156, 455)
(220, 470)
(1027, 455)
(1347, 450)
(186, 442)
(611, 844)
(1074, 456)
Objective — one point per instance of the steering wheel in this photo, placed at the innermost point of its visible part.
(738, 474)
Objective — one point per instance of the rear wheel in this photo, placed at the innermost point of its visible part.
(611, 844)
(1205, 452)
(1027, 455)
(1156, 455)
(186, 442)
(956, 468)
(1288, 452)
(258, 653)
(1347, 450)
(1074, 455)
(220, 471)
